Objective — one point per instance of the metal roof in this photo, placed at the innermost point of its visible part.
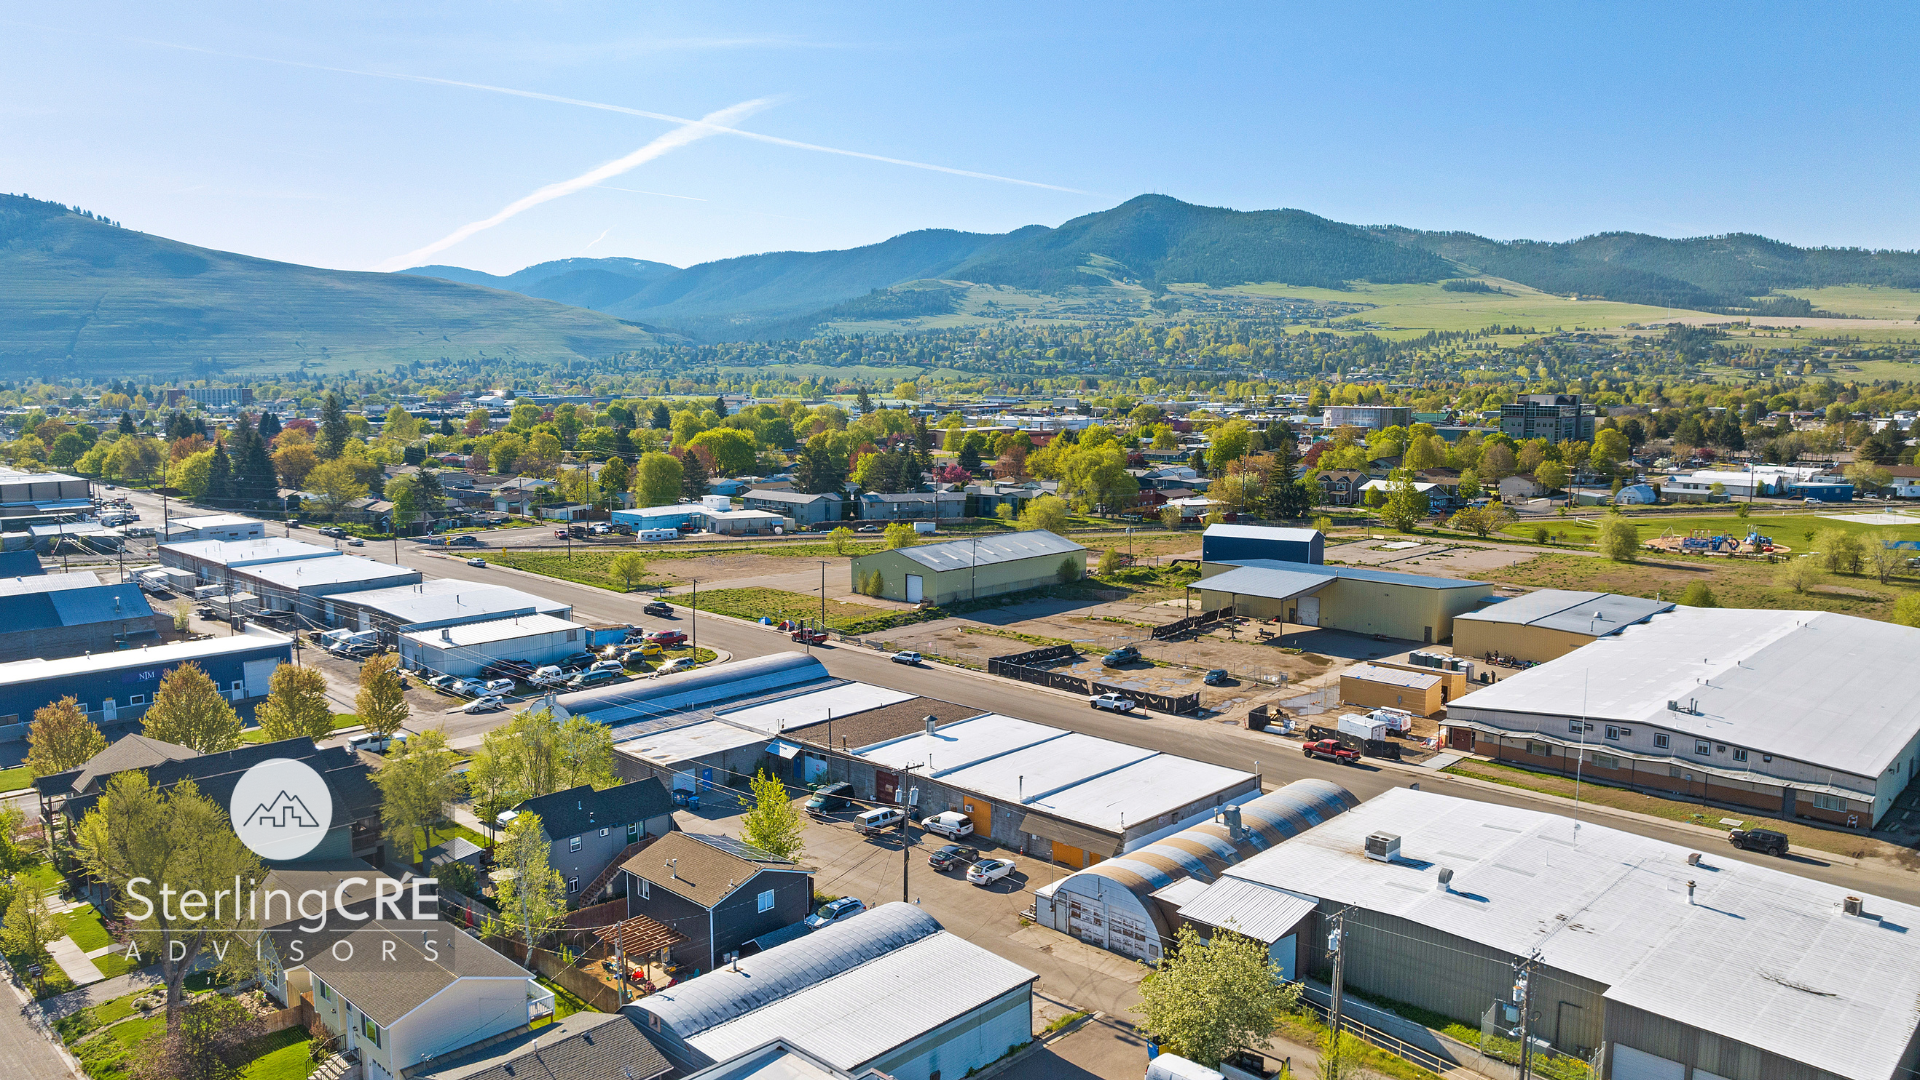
(858, 1015)
(800, 710)
(1594, 613)
(483, 633)
(211, 521)
(717, 997)
(1261, 532)
(1809, 685)
(254, 640)
(1263, 582)
(47, 583)
(1757, 955)
(265, 549)
(1354, 573)
(1412, 680)
(987, 550)
(695, 739)
(447, 599)
(668, 695)
(305, 573)
(1261, 912)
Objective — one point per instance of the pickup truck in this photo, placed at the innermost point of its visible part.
(810, 637)
(1331, 750)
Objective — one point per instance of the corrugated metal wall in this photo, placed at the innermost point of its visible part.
(1703, 1050)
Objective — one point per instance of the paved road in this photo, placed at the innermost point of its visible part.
(26, 1053)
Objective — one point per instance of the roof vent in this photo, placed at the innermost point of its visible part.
(1446, 879)
(1851, 905)
(1383, 847)
(932, 722)
(1693, 858)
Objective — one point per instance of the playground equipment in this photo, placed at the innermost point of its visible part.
(1707, 542)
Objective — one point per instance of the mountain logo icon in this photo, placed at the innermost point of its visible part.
(286, 811)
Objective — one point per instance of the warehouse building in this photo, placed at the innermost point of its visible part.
(1794, 713)
(805, 510)
(888, 991)
(1352, 598)
(741, 522)
(37, 498)
(1130, 904)
(304, 586)
(437, 602)
(467, 648)
(212, 561)
(671, 516)
(1046, 792)
(1376, 686)
(1549, 623)
(975, 567)
(1676, 963)
(186, 530)
(117, 687)
(1233, 543)
(53, 615)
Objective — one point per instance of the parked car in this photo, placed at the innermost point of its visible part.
(868, 528)
(443, 683)
(988, 871)
(476, 561)
(507, 669)
(494, 687)
(489, 703)
(678, 663)
(830, 798)
(810, 637)
(953, 857)
(834, 911)
(354, 541)
(1216, 677)
(614, 666)
(599, 528)
(375, 743)
(579, 661)
(469, 688)
(952, 824)
(359, 650)
(548, 675)
(668, 638)
(464, 540)
(905, 658)
(1765, 841)
(1125, 654)
(877, 820)
(1112, 702)
(590, 678)
(657, 607)
(1331, 750)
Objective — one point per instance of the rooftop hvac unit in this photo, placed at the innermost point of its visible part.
(1384, 847)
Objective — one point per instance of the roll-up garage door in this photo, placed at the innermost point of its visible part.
(1309, 611)
(1631, 1064)
(259, 675)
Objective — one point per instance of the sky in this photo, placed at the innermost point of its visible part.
(497, 135)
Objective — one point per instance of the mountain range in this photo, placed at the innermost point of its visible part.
(80, 295)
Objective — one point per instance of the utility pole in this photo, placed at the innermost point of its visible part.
(1334, 945)
(823, 602)
(1523, 997)
(906, 850)
(693, 615)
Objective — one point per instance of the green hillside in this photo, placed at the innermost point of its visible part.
(81, 296)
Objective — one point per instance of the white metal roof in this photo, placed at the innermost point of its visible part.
(1759, 955)
(25, 671)
(304, 573)
(695, 740)
(1262, 912)
(959, 744)
(439, 599)
(856, 1016)
(1412, 680)
(211, 521)
(1810, 685)
(1261, 532)
(1144, 790)
(484, 633)
(987, 550)
(265, 549)
(1579, 612)
(811, 708)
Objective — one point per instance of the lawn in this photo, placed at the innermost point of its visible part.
(280, 1056)
(49, 879)
(15, 778)
(74, 1025)
(107, 1057)
(83, 925)
(586, 567)
(1735, 582)
(565, 1003)
(340, 720)
(1789, 528)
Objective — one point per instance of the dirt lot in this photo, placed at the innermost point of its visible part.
(1440, 559)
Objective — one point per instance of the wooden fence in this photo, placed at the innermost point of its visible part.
(1190, 623)
(1017, 666)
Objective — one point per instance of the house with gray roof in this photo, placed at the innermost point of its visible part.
(973, 567)
(717, 891)
(584, 1046)
(805, 510)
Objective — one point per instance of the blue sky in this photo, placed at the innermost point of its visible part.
(282, 131)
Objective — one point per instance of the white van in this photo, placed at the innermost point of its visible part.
(878, 820)
(657, 534)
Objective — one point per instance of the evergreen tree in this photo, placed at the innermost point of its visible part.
(720, 407)
(693, 476)
(662, 420)
(127, 426)
(446, 427)
(623, 445)
(1286, 449)
(864, 402)
(269, 426)
(334, 429)
(179, 426)
(970, 458)
(220, 475)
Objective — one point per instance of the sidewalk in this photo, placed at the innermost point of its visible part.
(118, 986)
(74, 962)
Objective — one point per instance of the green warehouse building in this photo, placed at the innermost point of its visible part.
(964, 569)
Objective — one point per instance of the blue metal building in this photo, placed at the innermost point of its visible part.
(1232, 543)
(117, 687)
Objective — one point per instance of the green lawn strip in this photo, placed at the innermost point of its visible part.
(49, 879)
(1308, 1031)
(16, 778)
(116, 963)
(83, 925)
(1799, 834)
(281, 1055)
(565, 1002)
(340, 720)
(73, 1026)
(108, 1057)
(1507, 1050)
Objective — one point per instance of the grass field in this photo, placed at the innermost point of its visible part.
(83, 925)
(1412, 310)
(15, 778)
(1866, 301)
(1735, 583)
(280, 1056)
(1790, 529)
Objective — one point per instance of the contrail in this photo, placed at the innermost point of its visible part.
(603, 106)
(689, 131)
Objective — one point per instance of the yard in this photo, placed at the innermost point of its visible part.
(107, 1055)
(16, 778)
(340, 721)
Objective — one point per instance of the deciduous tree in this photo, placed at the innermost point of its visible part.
(1047, 512)
(61, 738)
(1618, 539)
(296, 705)
(627, 568)
(531, 898)
(1210, 997)
(381, 702)
(188, 710)
(773, 825)
(899, 535)
(214, 1042)
(417, 784)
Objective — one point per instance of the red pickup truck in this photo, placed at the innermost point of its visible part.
(1332, 750)
(810, 637)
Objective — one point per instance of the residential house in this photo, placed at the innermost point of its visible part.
(1515, 488)
(589, 833)
(912, 506)
(987, 497)
(716, 891)
(805, 510)
(1341, 487)
(520, 495)
(584, 1046)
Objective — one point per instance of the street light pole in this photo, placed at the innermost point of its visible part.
(693, 616)
(823, 594)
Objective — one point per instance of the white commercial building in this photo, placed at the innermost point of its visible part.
(214, 527)
(210, 561)
(1795, 713)
(1775, 481)
(431, 604)
(466, 649)
(305, 585)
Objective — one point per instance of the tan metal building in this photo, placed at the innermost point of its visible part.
(978, 566)
(1548, 624)
(1371, 686)
(1352, 598)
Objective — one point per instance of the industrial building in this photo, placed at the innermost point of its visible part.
(741, 522)
(303, 586)
(184, 530)
(1794, 713)
(805, 510)
(437, 602)
(1677, 963)
(1046, 792)
(657, 517)
(54, 615)
(1549, 623)
(468, 647)
(1352, 598)
(1376, 686)
(888, 991)
(212, 561)
(117, 686)
(1233, 543)
(1130, 904)
(974, 567)
(36, 498)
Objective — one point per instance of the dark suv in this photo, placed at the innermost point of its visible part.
(1765, 841)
